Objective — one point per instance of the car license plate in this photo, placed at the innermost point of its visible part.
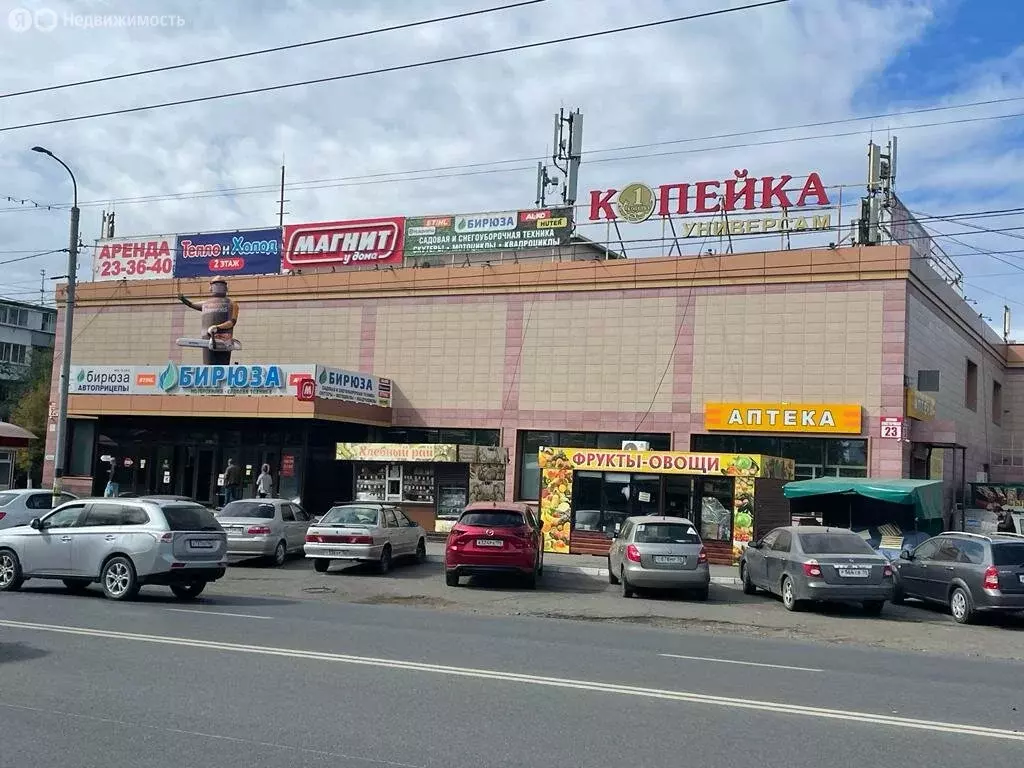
(201, 544)
(338, 552)
(489, 543)
(854, 573)
(669, 559)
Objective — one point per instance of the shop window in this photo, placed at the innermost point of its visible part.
(714, 506)
(645, 495)
(529, 442)
(997, 403)
(616, 496)
(678, 492)
(587, 501)
(81, 436)
(971, 386)
(846, 453)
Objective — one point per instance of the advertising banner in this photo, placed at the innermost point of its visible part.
(397, 452)
(134, 258)
(252, 252)
(509, 230)
(359, 242)
(180, 379)
(820, 418)
(352, 387)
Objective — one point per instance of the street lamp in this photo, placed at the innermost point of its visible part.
(69, 316)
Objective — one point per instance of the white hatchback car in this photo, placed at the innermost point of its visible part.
(124, 544)
(19, 506)
(364, 533)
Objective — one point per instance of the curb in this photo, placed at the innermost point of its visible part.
(602, 573)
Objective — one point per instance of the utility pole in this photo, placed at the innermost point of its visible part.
(42, 286)
(69, 315)
(280, 203)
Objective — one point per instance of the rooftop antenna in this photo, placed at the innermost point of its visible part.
(42, 286)
(280, 203)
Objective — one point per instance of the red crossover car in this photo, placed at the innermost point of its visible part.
(495, 537)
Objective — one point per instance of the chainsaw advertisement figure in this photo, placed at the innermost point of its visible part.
(220, 314)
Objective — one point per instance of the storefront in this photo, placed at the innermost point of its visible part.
(586, 494)
(432, 483)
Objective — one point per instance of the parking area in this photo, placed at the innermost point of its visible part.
(584, 594)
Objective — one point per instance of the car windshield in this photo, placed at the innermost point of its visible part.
(190, 517)
(362, 516)
(1008, 554)
(666, 533)
(496, 519)
(256, 509)
(834, 544)
(7, 498)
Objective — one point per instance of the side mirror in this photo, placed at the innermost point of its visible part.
(755, 544)
(906, 554)
(36, 523)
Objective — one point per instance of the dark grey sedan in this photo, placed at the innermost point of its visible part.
(804, 564)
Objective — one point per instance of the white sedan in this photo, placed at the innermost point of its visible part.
(364, 533)
(19, 506)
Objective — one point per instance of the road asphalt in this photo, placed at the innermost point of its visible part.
(235, 681)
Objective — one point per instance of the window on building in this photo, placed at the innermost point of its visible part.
(14, 316)
(49, 322)
(81, 435)
(927, 381)
(997, 403)
(971, 386)
(13, 353)
(435, 436)
(529, 442)
(813, 456)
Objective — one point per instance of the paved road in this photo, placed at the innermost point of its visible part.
(241, 681)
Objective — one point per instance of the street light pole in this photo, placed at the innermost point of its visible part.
(60, 451)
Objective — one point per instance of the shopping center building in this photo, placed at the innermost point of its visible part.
(432, 387)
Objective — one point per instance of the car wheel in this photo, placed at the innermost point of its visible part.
(384, 564)
(627, 590)
(10, 571)
(421, 551)
(612, 578)
(76, 586)
(873, 607)
(280, 554)
(530, 580)
(321, 564)
(749, 588)
(451, 578)
(789, 601)
(960, 606)
(118, 579)
(188, 591)
(898, 598)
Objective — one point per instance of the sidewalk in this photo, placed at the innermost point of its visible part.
(589, 565)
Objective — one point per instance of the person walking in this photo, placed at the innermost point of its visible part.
(264, 483)
(232, 482)
(113, 481)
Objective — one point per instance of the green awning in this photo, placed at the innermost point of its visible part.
(925, 495)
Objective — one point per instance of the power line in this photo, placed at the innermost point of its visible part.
(31, 256)
(276, 49)
(395, 68)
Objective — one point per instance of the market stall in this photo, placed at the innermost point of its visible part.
(432, 483)
(586, 494)
(891, 515)
(988, 502)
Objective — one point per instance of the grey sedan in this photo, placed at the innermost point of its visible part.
(805, 564)
(18, 507)
(268, 528)
(659, 553)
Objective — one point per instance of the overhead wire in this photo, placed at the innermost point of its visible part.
(394, 68)
(275, 49)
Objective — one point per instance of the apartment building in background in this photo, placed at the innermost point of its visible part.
(24, 329)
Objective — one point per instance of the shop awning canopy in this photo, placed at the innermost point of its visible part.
(924, 495)
(13, 436)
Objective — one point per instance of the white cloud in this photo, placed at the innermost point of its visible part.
(806, 61)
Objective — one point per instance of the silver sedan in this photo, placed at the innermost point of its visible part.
(364, 533)
(268, 528)
(659, 553)
(18, 507)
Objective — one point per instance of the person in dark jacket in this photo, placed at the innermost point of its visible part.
(232, 482)
(1006, 524)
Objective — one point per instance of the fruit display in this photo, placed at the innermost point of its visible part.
(555, 495)
(743, 510)
(741, 466)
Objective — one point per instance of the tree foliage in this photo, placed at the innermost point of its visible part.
(30, 411)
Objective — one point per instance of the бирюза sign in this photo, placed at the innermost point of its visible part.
(252, 252)
(352, 387)
(467, 233)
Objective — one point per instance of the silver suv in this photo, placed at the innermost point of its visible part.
(123, 544)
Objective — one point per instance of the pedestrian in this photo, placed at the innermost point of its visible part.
(113, 480)
(1006, 524)
(232, 482)
(264, 482)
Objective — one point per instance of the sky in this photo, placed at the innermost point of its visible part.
(465, 136)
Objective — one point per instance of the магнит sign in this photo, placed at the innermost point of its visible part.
(343, 243)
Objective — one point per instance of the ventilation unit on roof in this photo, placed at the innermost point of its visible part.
(635, 445)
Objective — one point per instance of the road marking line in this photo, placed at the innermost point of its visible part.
(203, 735)
(220, 613)
(553, 682)
(744, 663)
